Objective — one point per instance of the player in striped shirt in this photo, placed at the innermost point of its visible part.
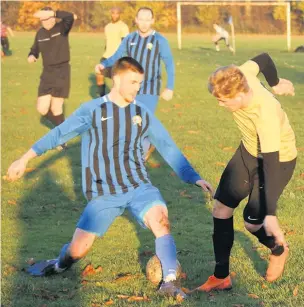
(148, 47)
(113, 171)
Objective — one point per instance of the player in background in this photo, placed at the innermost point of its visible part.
(52, 41)
(114, 32)
(221, 34)
(5, 30)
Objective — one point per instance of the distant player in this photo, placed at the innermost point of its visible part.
(115, 32)
(260, 168)
(52, 42)
(221, 34)
(5, 30)
(114, 176)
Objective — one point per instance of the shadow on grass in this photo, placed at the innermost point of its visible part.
(47, 217)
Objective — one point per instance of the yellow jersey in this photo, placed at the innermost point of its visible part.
(114, 32)
(264, 125)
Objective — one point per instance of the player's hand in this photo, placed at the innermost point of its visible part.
(272, 228)
(75, 17)
(99, 68)
(31, 59)
(16, 170)
(43, 15)
(284, 87)
(167, 94)
(206, 186)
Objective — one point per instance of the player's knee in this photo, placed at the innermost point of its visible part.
(157, 219)
(43, 104)
(56, 110)
(252, 227)
(221, 211)
(42, 109)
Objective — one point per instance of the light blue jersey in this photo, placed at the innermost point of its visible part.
(148, 51)
(112, 152)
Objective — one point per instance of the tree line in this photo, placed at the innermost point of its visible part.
(94, 15)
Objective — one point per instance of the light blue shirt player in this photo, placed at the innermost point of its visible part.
(148, 51)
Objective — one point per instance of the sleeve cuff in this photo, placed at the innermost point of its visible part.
(37, 150)
(195, 178)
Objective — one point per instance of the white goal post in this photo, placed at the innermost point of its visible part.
(235, 3)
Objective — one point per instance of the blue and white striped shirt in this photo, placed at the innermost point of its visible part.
(112, 152)
(148, 51)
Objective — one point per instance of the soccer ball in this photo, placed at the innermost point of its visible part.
(154, 270)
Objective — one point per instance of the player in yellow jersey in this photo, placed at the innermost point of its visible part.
(261, 167)
(115, 31)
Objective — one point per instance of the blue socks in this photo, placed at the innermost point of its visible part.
(166, 252)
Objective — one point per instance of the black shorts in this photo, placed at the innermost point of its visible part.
(107, 72)
(55, 81)
(242, 177)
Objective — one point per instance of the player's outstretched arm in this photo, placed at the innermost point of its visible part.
(268, 69)
(163, 142)
(17, 168)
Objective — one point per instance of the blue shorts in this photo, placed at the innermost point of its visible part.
(150, 101)
(101, 211)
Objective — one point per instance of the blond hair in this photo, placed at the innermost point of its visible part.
(227, 82)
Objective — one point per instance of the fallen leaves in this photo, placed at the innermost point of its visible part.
(187, 291)
(232, 274)
(133, 298)
(124, 277)
(252, 295)
(185, 195)
(109, 302)
(89, 270)
(12, 202)
(154, 164)
(138, 298)
(9, 270)
(193, 132)
(228, 149)
(220, 163)
(301, 188)
(295, 291)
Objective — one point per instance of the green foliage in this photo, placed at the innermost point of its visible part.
(94, 15)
